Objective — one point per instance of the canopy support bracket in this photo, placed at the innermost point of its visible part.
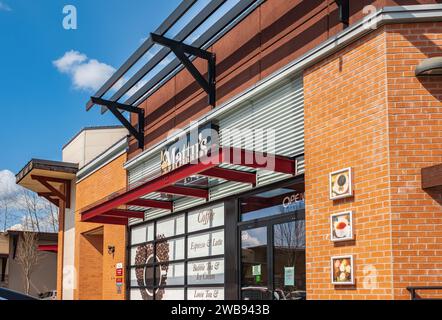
(344, 12)
(183, 51)
(116, 107)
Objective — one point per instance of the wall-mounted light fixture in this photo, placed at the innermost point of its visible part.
(430, 67)
(111, 250)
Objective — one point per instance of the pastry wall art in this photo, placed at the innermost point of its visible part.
(342, 272)
(341, 226)
(341, 184)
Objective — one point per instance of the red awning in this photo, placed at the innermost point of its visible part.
(48, 248)
(109, 210)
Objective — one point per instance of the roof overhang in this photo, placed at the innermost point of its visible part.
(49, 179)
(118, 209)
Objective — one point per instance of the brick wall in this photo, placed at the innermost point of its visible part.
(365, 109)
(415, 125)
(100, 184)
(90, 268)
(345, 126)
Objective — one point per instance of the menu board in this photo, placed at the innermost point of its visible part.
(206, 244)
(205, 272)
(206, 218)
(205, 294)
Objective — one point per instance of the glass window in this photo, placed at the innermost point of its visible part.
(206, 244)
(143, 233)
(160, 262)
(273, 202)
(206, 218)
(170, 274)
(205, 272)
(142, 254)
(169, 294)
(138, 234)
(135, 294)
(205, 294)
(170, 250)
(170, 227)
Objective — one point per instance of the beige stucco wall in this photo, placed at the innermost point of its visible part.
(44, 276)
(90, 143)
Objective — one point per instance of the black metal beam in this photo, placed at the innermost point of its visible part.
(344, 11)
(115, 108)
(226, 22)
(202, 16)
(182, 51)
(184, 6)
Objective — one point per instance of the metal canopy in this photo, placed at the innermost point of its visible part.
(110, 210)
(212, 19)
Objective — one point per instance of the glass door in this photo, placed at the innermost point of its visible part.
(254, 264)
(289, 260)
(272, 244)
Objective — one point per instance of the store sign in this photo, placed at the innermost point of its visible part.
(289, 276)
(190, 148)
(206, 218)
(205, 294)
(292, 200)
(208, 244)
(205, 272)
(256, 270)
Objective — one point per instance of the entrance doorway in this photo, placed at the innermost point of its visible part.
(272, 245)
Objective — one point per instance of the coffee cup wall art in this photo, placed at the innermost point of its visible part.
(342, 270)
(341, 184)
(341, 226)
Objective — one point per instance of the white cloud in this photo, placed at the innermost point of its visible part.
(69, 61)
(91, 75)
(4, 7)
(8, 188)
(86, 74)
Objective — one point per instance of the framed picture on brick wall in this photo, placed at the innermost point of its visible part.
(342, 271)
(341, 226)
(341, 184)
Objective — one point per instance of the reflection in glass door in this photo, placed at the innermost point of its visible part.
(254, 266)
(289, 260)
(272, 231)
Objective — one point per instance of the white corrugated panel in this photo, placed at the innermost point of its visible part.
(279, 113)
(148, 169)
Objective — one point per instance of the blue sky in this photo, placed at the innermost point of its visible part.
(43, 104)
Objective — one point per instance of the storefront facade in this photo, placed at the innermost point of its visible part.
(209, 260)
(337, 125)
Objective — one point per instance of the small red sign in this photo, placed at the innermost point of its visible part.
(119, 272)
(119, 280)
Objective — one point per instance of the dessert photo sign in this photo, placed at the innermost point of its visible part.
(341, 226)
(342, 270)
(341, 184)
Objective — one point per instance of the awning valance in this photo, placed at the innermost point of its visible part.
(114, 210)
